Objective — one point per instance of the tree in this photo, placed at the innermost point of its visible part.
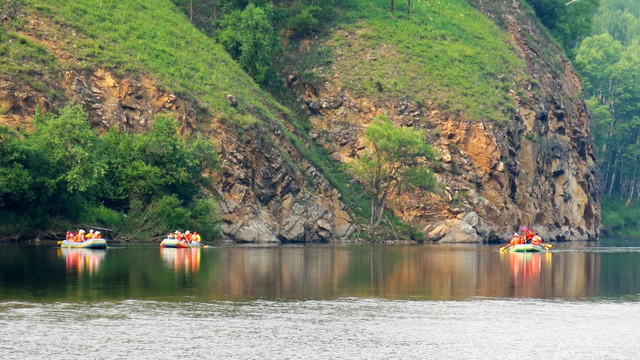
(251, 39)
(70, 145)
(395, 156)
(594, 60)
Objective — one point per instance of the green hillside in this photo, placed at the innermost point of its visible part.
(445, 53)
(149, 36)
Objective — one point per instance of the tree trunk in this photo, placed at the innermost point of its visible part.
(409, 7)
(377, 210)
(191, 11)
(633, 176)
(613, 175)
(393, 6)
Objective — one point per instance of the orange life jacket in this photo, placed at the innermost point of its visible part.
(537, 240)
(516, 240)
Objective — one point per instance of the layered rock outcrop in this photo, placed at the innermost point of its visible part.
(537, 170)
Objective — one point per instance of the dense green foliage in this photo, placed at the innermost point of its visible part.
(251, 39)
(568, 22)
(620, 219)
(249, 30)
(392, 160)
(140, 186)
(608, 62)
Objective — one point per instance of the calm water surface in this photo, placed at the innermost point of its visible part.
(318, 302)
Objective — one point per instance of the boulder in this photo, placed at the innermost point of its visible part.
(461, 232)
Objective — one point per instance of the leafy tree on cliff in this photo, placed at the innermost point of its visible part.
(251, 39)
(395, 156)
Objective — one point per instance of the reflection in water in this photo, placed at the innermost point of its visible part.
(436, 272)
(430, 272)
(527, 270)
(187, 260)
(81, 260)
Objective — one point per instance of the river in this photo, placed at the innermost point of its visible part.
(579, 301)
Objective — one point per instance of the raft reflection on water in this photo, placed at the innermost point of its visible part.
(187, 259)
(80, 260)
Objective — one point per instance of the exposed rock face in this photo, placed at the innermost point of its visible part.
(265, 199)
(269, 192)
(537, 171)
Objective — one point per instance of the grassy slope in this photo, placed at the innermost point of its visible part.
(154, 37)
(445, 51)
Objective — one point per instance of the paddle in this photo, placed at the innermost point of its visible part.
(547, 246)
(504, 248)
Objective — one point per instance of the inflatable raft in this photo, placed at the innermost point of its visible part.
(87, 244)
(527, 248)
(173, 243)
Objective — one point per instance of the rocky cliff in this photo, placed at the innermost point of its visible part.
(268, 191)
(536, 170)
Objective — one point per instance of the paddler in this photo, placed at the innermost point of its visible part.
(80, 237)
(516, 239)
(527, 234)
(536, 240)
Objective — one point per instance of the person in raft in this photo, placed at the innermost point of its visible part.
(527, 234)
(80, 236)
(536, 240)
(516, 239)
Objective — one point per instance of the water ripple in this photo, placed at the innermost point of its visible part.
(348, 328)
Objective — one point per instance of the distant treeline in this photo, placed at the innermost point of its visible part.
(608, 62)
